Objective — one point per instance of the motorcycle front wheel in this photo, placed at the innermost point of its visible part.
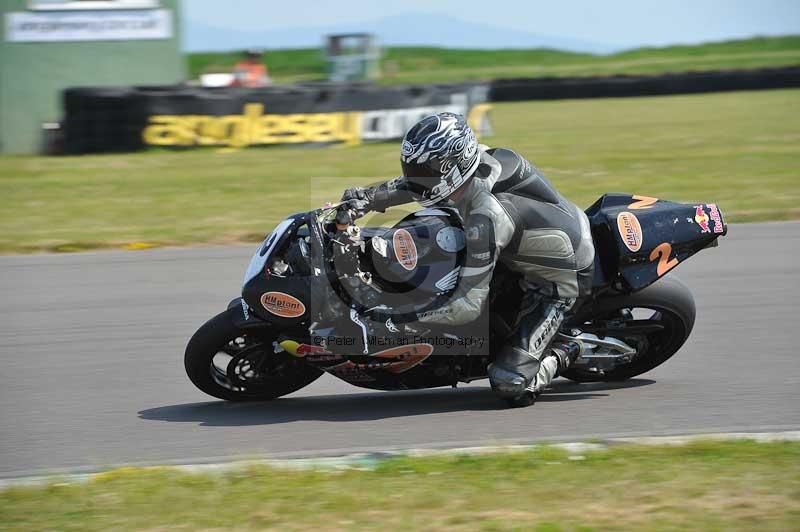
(230, 363)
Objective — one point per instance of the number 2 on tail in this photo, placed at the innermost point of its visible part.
(642, 202)
(661, 253)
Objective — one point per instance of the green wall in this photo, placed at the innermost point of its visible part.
(32, 75)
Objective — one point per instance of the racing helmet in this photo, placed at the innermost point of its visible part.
(439, 155)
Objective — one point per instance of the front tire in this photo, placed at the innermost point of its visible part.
(230, 363)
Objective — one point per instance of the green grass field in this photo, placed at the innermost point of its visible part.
(436, 65)
(702, 486)
(741, 150)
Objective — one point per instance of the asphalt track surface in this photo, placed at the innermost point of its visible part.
(91, 347)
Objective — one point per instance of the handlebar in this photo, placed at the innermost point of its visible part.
(343, 215)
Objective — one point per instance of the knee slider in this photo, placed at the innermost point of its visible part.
(512, 371)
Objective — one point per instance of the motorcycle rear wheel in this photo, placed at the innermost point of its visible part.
(230, 363)
(674, 309)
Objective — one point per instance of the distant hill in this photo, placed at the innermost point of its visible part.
(412, 29)
(432, 64)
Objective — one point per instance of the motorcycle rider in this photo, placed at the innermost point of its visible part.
(511, 214)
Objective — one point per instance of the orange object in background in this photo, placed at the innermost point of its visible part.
(251, 71)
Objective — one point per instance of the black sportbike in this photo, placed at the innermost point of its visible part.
(269, 342)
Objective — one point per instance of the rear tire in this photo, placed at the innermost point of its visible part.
(674, 300)
(285, 373)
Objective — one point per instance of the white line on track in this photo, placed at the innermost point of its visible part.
(369, 460)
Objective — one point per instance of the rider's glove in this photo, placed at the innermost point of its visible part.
(351, 210)
(359, 206)
(366, 195)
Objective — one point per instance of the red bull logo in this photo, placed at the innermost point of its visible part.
(716, 217)
(701, 218)
(307, 349)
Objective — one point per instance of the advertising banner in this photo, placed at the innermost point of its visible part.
(184, 117)
(108, 25)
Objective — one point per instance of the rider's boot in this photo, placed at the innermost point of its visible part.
(566, 353)
(524, 367)
(553, 365)
(560, 357)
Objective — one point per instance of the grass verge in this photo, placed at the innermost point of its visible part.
(437, 65)
(739, 149)
(701, 486)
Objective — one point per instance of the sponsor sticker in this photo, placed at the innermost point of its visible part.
(308, 349)
(404, 249)
(449, 281)
(380, 245)
(404, 357)
(630, 230)
(350, 372)
(394, 360)
(318, 358)
(450, 239)
(283, 305)
(701, 218)
(716, 217)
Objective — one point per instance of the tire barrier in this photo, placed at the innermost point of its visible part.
(132, 118)
(126, 119)
(519, 89)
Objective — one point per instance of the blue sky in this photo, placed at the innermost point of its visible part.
(596, 25)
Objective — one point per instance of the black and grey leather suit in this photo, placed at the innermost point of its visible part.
(512, 214)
